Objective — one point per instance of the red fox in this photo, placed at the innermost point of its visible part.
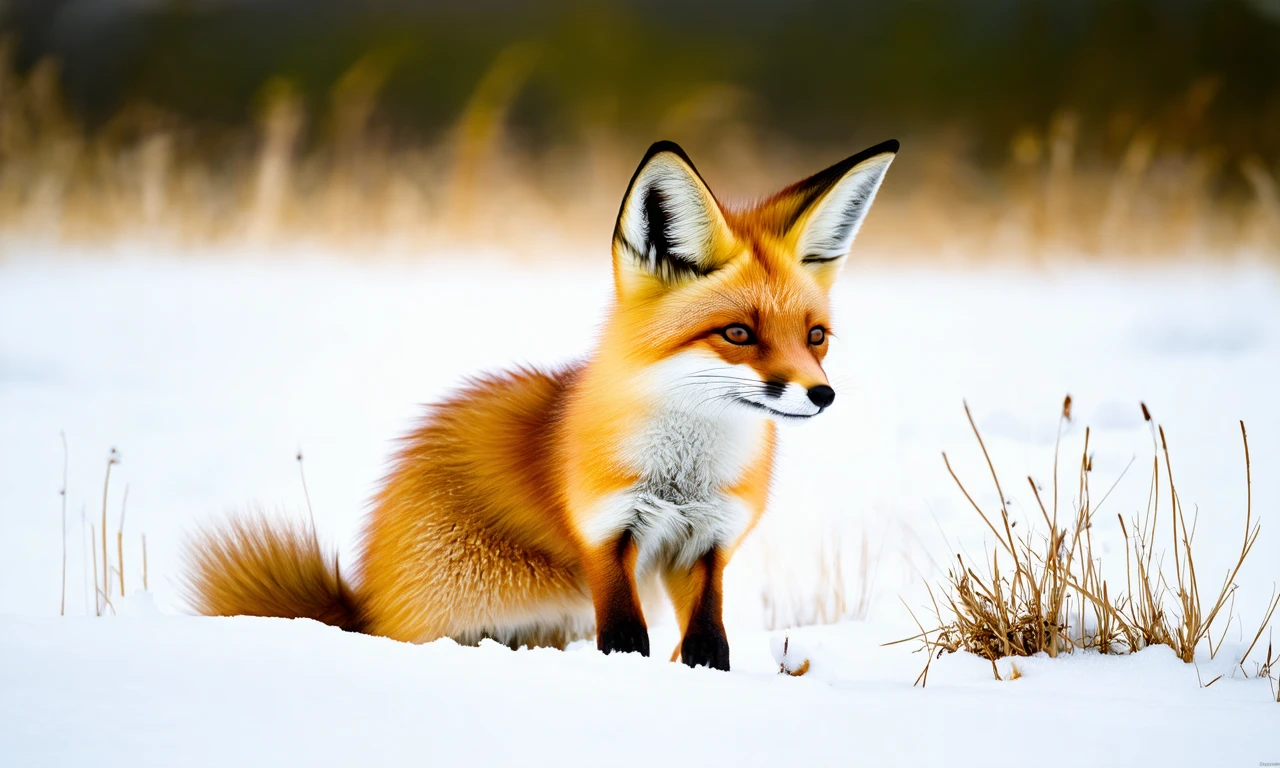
(530, 505)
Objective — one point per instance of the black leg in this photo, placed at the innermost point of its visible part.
(620, 626)
(705, 643)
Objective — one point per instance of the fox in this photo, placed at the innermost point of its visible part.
(532, 507)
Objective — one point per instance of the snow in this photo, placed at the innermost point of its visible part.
(218, 692)
(210, 374)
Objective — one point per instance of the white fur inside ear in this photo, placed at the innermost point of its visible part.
(669, 219)
(829, 230)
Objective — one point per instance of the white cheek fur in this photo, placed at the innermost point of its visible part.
(793, 403)
(701, 382)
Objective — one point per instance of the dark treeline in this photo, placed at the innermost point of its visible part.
(809, 70)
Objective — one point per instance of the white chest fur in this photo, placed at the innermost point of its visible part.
(678, 509)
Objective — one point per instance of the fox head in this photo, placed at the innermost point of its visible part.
(728, 306)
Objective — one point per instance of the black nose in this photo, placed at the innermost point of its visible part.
(822, 395)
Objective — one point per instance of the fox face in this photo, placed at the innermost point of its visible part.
(728, 307)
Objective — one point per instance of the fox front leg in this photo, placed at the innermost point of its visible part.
(696, 593)
(611, 574)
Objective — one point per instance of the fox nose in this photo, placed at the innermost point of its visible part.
(822, 395)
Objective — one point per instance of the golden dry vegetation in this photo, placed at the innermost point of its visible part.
(343, 183)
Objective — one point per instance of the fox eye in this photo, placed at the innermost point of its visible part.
(817, 335)
(738, 334)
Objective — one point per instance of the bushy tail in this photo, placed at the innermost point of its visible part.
(249, 566)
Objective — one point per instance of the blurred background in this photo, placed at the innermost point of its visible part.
(235, 232)
(1109, 129)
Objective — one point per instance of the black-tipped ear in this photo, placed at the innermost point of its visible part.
(669, 225)
(824, 212)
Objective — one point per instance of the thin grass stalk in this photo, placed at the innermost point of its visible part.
(106, 486)
(1251, 530)
(1153, 499)
(97, 605)
(1266, 619)
(1004, 509)
(973, 503)
(1064, 417)
(306, 494)
(62, 605)
(120, 539)
(86, 544)
(120, 559)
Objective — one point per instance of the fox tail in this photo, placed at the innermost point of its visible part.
(248, 566)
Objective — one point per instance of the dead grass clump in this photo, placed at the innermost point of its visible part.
(1046, 593)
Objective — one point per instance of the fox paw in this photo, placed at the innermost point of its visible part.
(624, 637)
(705, 650)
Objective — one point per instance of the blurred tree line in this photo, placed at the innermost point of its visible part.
(807, 70)
(1034, 128)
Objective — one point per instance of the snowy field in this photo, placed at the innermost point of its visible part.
(209, 376)
(228, 692)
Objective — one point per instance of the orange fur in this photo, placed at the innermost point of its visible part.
(249, 567)
(525, 507)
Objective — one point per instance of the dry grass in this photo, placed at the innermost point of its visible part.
(101, 572)
(789, 665)
(103, 590)
(1269, 669)
(66, 458)
(1079, 185)
(1046, 593)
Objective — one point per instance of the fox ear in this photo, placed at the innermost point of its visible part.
(670, 227)
(823, 213)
